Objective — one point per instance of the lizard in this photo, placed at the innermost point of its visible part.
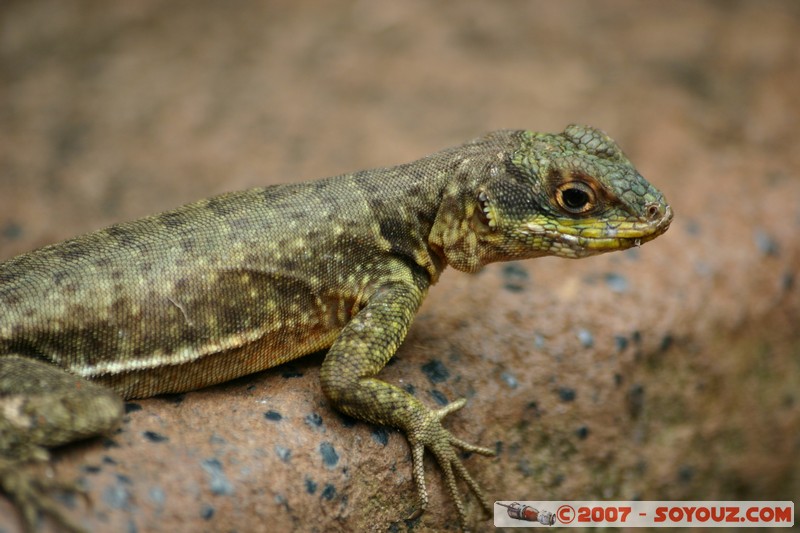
(244, 281)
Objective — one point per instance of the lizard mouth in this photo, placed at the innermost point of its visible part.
(596, 236)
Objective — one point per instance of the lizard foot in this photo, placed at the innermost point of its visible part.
(429, 433)
(32, 495)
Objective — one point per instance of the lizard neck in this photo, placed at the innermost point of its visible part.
(455, 235)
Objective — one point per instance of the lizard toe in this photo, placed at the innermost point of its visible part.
(431, 434)
(32, 496)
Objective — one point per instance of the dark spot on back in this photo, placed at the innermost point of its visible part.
(395, 232)
(173, 219)
(11, 298)
(295, 215)
(373, 188)
(72, 250)
(415, 190)
(221, 206)
(251, 258)
(240, 224)
(123, 236)
(102, 262)
(188, 244)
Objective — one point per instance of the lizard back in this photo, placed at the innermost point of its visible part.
(239, 282)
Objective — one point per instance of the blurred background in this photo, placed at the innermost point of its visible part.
(114, 110)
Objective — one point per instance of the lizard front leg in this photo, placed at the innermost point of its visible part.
(362, 349)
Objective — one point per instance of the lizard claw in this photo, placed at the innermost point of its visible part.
(429, 433)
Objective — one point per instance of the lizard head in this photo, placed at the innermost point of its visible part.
(571, 195)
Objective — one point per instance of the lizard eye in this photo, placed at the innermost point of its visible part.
(575, 197)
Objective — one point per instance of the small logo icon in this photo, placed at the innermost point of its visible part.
(527, 513)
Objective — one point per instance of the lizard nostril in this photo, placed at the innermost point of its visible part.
(654, 211)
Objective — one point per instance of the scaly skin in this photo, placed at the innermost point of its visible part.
(245, 281)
